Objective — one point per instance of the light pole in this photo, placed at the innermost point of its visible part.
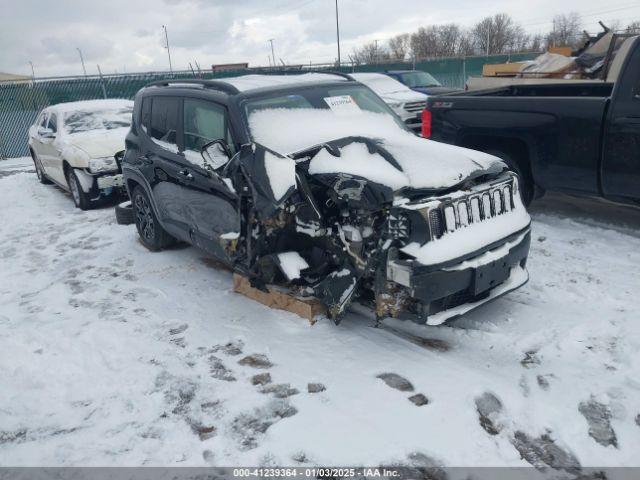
(166, 39)
(82, 60)
(338, 33)
(33, 73)
(273, 55)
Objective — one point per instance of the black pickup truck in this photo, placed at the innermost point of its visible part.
(580, 137)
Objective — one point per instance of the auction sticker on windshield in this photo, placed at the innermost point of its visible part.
(342, 104)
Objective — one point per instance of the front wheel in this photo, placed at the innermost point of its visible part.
(80, 197)
(151, 233)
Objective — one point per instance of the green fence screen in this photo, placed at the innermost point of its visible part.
(20, 103)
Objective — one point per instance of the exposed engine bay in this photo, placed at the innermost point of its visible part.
(333, 235)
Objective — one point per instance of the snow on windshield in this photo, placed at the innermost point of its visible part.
(425, 164)
(100, 119)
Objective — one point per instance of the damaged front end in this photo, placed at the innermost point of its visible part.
(339, 236)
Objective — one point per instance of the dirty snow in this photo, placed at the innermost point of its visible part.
(290, 130)
(112, 355)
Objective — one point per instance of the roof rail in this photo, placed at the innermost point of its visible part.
(302, 72)
(213, 84)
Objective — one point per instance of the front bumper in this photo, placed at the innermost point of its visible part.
(452, 289)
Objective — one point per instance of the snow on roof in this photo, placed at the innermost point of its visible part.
(252, 82)
(388, 88)
(425, 164)
(90, 105)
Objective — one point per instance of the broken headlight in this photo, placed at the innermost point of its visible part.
(103, 164)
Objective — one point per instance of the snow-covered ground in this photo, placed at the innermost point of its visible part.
(112, 355)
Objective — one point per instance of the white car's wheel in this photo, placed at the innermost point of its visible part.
(80, 198)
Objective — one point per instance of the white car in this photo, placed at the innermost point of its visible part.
(74, 145)
(407, 103)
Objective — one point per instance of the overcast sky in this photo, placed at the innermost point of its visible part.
(126, 35)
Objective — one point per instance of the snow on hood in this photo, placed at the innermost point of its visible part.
(387, 88)
(99, 143)
(424, 163)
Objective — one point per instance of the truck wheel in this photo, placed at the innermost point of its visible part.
(80, 197)
(151, 233)
(525, 181)
(124, 213)
(42, 177)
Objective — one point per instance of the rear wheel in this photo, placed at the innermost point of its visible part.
(526, 183)
(151, 233)
(42, 177)
(80, 197)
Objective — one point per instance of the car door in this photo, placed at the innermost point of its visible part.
(212, 205)
(38, 140)
(52, 149)
(621, 152)
(162, 163)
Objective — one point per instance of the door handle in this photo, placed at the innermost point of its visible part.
(186, 174)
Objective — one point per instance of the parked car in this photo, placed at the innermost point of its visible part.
(311, 182)
(402, 100)
(580, 138)
(420, 81)
(74, 145)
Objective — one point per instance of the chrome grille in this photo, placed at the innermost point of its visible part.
(475, 207)
(415, 107)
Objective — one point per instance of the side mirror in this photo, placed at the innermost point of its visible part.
(45, 132)
(216, 153)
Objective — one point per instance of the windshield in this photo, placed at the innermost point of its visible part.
(419, 79)
(337, 100)
(105, 119)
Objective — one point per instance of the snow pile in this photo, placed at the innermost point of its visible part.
(355, 159)
(252, 82)
(291, 264)
(388, 88)
(281, 172)
(426, 164)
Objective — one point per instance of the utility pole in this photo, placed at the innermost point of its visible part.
(376, 53)
(82, 60)
(273, 55)
(33, 73)
(488, 38)
(166, 40)
(338, 33)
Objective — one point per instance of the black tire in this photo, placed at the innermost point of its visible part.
(80, 198)
(124, 213)
(527, 188)
(42, 177)
(151, 233)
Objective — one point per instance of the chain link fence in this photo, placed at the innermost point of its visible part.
(20, 102)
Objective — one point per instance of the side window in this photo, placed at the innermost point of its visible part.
(53, 125)
(145, 114)
(42, 120)
(164, 122)
(203, 123)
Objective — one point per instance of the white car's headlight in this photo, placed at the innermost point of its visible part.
(395, 105)
(103, 164)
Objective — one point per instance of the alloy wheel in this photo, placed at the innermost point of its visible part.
(144, 218)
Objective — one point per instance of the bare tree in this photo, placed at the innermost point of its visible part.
(566, 31)
(399, 46)
(633, 28)
(447, 40)
(497, 34)
(369, 53)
